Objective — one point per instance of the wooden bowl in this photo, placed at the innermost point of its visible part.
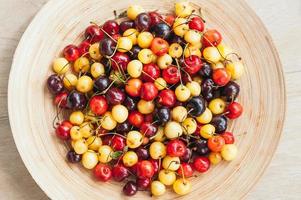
(61, 22)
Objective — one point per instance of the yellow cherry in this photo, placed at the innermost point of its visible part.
(104, 153)
(159, 137)
(75, 133)
(207, 131)
(86, 129)
(173, 130)
(94, 51)
(193, 37)
(146, 56)
(183, 9)
(157, 188)
(181, 186)
(167, 177)
(205, 117)
(229, 152)
(70, 81)
(145, 39)
(77, 117)
(212, 55)
(132, 34)
(120, 113)
(182, 93)
(94, 142)
(194, 88)
(84, 84)
(97, 70)
(189, 125)
(192, 50)
(215, 158)
(124, 44)
(145, 107)
(89, 159)
(133, 11)
(108, 122)
(157, 150)
(160, 83)
(130, 158)
(80, 146)
(175, 50)
(134, 139)
(134, 68)
(217, 106)
(164, 61)
(171, 163)
(179, 113)
(236, 69)
(60, 65)
(180, 26)
(82, 64)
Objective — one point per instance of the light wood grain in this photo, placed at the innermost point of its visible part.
(286, 158)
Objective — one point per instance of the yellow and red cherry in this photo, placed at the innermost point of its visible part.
(145, 107)
(145, 169)
(167, 98)
(118, 143)
(135, 118)
(234, 110)
(120, 61)
(211, 38)
(193, 64)
(159, 46)
(216, 143)
(185, 170)
(170, 19)
(201, 164)
(175, 50)
(98, 105)
(102, 172)
(221, 77)
(115, 96)
(228, 137)
(150, 72)
(160, 83)
(148, 91)
(155, 163)
(176, 148)
(196, 23)
(143, 22)
(63, 130)
(133, 87)
(93, 34)
(111, 27)
(148, 129)
(171, 75)
(71, 53)
(76, 118)
(119, 172)
(215, 158)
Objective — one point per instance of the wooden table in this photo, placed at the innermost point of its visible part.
(282, 180)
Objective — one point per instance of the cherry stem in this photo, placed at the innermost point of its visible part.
(153, 79)
(112, 133)
(179, 70)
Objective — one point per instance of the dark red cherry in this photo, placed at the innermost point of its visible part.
(129, 103)
(107, 47)
(230, 91)
(142, 153)
(187, 155)
(148, 129)
(61, 100)
(125, 25)
(119, 172)
(220, 123)
(155, 164)
(101, 83)
(162, 30)
(143, 183)
(93, 33)
(83, 48)
(196, 23)
(143, 22)
(73, 157)
(115, 96)
(71, 53)
(76, 100)
(196, 106)
(134, 52)
(206, 70)
(155, 18)
(162, 115)
(123, 127)
(120, 61)
(201, 164)
(55, 84)
(111, 27)
(130, 188)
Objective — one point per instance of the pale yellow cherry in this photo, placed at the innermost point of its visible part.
(179, 113)
(134, 68)
(182, 186)
(224, 50)
(171, 163)
(205, 117)
(173, 130)
(157, 188)
(124, 44)
(86, 129)
(108, 122)
(80, 146)
(84, 84)
(77, 117)
(183, 9)
(130, 158)
(120, 113)
(236, 69)
(146, 56)
(134, 139)
(192, 50)
(180, 26)
(75, 133)
(94, 51)
(175, 50)
(97, 70)
(145, 39)
(82, 64)
(193, 37)
(189, 126)
(105, 154)
(145, 107)
(132, 34)
(164, 61)
(160, 83)
(182, 93)
(157, 150)
(60, 65)
(89, 159)
(159, 137)
(217, 106)
(229, 152)
(194, 88)
(133, 11)
(94, 142)
(167, 177)
(211, 54)
(70, 81)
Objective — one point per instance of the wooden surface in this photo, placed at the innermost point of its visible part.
(283, 178)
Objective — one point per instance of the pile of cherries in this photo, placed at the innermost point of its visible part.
(148, 99)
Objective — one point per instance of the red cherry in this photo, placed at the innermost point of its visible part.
(171, 75)
(133, 87)
(148, 91)
(196, 23)
(83, 48)
(119, 172)
(193, 64)
(143, 183)
(167, 98)
(71, 53)
(149, 118)
(118, 143)
(211, 37)
(155, 18)
(63, 130)
(170, 19)
(135, 118)
(198, 128)
(148, 129)
(176, 148)
(216, 143)
(120, 61)
(61, 100)
(234, 110)
(111, 27)
(155, 164)
(228, 137)
(221, 76)
(150, 72)
(102, 172)
(185, 169)
(98, 105)
(159, 46)
(93, 34)
(201, 164)
(145, 169)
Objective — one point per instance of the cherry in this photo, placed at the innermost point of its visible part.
(135, 118)
(196, 106)
(61, 100)
(130, 103)
(143, 22)
(142, 153)
(102, 172)
(63, 130)
(234, 110)
(220, 123)
(230, 91)
(151, 72)
(228, 137)
(101, 83)
(133, 87)
(73, 157)
(125, 25)
(83, 48)
(107, 47)
(216, 143)
(201, 164)
(171, 75)
(186, 170)
(148, 129)
(221, 76)
(211, 37)
(176, 39)
(176, 148)
(71, 53)
(192, 64)
(149, 91)
(130, 188)
(149, 118)
(186, 78)
(120, 61)
(143, 183)
(145, 169)
(167, 98)
(201, 147)
(161, 30)
(155, 18)
(119, 172)
(118, 143)
(187, 155)
(106, 139)
(55, 84)
(170, 19)
(98, 105)
(123, 127)
(76, 100)
(93, 34)
(115, 96)
(111, 27)
(134, 52)
(196, 23)
(159, 46)
(206, 70)
(162, 115)
(155, 164)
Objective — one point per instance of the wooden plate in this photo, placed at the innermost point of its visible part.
(61, 22)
